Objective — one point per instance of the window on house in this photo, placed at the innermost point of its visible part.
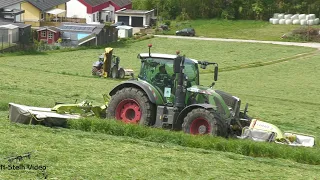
(50, 35)
(42, 16)
(43, 33)
(94, 17)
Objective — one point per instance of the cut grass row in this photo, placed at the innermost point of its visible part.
(74, 154)
(243, 147)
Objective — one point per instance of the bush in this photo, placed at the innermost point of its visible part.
(167, 22)
(304, 34)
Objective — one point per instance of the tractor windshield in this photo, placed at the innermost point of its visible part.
(159, 72)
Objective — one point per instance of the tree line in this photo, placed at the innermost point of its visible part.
(227, 9)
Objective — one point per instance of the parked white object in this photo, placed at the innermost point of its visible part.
(275, 21)
(296, 21)
(310, 22)
(303, 22)
(288, 21)
(287, 16)
(302, 16)
(282, 21)
(280, 16)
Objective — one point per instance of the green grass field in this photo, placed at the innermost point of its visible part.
(240, 29)
(282, 89)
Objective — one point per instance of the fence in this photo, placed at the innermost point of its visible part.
(8, 39)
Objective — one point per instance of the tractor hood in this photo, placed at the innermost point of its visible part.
(202, 94)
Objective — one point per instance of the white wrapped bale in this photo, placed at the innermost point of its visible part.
(296, 16)
(316, 21)
(288, 21)
(275, 21)
(271, 20)
(312, 16)
(296, 21)
(287, 16)
(275, 15)
(302, 16)
(310, 22)
(280, 16)
(303, 22)
(282, 21)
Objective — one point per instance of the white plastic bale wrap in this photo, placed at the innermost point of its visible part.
(312, 16)
(275, 21)
(280, 16)
(287, 16)
(316, 21)
(296, 21)
(275, 15)
(303, 22)
(288, 21)
(271, 20)
(282, 21)
(310, 22)
(302, 16)
(296, 16)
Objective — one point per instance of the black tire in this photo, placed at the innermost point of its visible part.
(121, 73)
(114, 72)
(211, 121)
(132, 95)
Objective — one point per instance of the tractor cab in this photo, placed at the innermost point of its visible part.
(158, 70)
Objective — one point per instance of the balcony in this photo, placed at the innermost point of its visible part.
(53, 21)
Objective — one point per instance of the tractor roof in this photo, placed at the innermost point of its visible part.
(165, 56)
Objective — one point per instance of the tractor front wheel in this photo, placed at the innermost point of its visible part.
(131, 105)
(202, 121)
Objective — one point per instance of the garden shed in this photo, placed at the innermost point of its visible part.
(124, 31)
(9, 33)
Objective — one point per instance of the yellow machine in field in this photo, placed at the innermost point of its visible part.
(108, 66)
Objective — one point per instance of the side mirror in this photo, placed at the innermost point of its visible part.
(176, 65)
(216, 69)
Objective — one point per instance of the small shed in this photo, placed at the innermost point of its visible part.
(48, 34)
(124, 31)
(9, 33)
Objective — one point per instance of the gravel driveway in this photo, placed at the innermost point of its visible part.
(312, 45)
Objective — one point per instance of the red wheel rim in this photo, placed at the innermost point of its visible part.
(128, 111)
(200, 126)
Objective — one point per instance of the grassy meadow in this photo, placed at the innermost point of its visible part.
(282, 89)
(240, 29)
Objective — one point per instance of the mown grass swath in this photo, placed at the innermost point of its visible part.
(244, 147)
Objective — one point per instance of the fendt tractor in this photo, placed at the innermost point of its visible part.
(167, 94)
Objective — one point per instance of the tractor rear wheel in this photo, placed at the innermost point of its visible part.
(202, 121)
(121, 73)
(114, 72)
(131, 105)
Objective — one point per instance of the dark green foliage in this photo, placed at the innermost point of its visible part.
(244, 147)
(227, 9)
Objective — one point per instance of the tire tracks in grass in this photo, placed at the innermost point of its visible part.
(267, 63)
(282, 99)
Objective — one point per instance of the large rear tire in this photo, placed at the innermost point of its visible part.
(114, 72)
(202, 121)
(131, 105)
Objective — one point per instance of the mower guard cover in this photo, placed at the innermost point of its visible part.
(263, 131)
(37, 115)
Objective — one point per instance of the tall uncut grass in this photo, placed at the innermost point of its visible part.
(243, 147)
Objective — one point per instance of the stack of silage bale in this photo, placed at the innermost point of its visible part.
(297, 19)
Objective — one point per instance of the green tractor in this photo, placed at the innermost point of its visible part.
(167, 94)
